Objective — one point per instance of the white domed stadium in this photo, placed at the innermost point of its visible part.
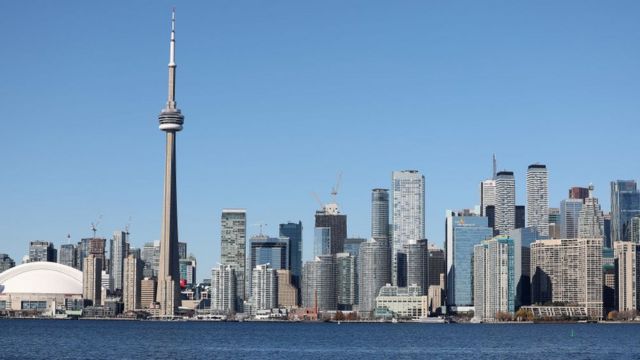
(40, 287)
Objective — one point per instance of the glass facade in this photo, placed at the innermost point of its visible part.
(322, 241)
(294, 232)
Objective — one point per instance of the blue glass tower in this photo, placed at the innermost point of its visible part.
(294, 232)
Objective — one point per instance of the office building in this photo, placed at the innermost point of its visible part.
(487, 195)
(373, 272)
(264, 288)
(625, 204)
(463, 232)
(555, 223)
(590, 218)
(505, 208)
(131, 283)
(188, 271)
(182, 250)
(67, 255)
(416, 269)
(569, 213)
(92, 280)
(6, 262)
(634, 229)
(408, 196)
(380, 214)
(402, 302)
(436, 264)
(267, 250)
(287, 291)
(233, 254)
(494, 277)
(538, 199)
(352, 245)
(148, 288)
(42, 251)
(330, 218)
(293, 231)
(346, 281)
(627, 264)
(578, 192)
(319, 284)
(119, 246)
(223, 289)
(520, 216)
(522, 240)
(568, 271)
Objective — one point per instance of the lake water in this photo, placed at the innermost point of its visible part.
(91, 339)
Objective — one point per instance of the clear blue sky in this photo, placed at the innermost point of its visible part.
(279, 96)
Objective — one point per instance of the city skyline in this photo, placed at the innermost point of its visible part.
(76, 175)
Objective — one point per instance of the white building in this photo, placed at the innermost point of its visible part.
(408, 189)
(487, 195)
(538, 199)
(494, 288)
(505, 208)
(590, 218)
(264, 288)
(627, 255)
(404, 302)
(223, 289)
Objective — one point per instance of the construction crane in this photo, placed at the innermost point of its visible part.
(336, 187)
(127, 227)
(94, 226)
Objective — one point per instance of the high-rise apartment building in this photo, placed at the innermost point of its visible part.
(67, 255)
(538, 199)
(92, 280)
(494, 277)
(42, 251)
(148, 288)
(319, 283)
(505, 208)
(6, 262)
(380, 214)
(150, 256)
(346, 281)
(408, 196)
(287, 291)
(321, 241)
(131, 283)
(590, 218)
(373, 273)
(568, 271)
(625, 204)
(119, 246)
(416, 261)
(223, 289)
(463, 232)
(634, 229)
(233, 254)
(294, 232)
(627, 261)
(93, 246)
(264, 288)
(569, 213)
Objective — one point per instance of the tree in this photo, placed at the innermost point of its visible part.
(524, 315)
(339, 316)
(503, 316)
(613, 315)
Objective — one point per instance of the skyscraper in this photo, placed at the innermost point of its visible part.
(148, 287)
(267, 250)
(223, 289)
(436, 264)
(463, 232)
(321, 241)
(380, 214)
(330, 217)
(568, 271)
(92, 280)
(538, 199)
(171, 120)
(287, 292)
(119, 246)
(67, 255)
(319, 283)
(233, 254)
(417, 256)
(625, 204)
(578, 192)
(41, 251)
(373, 272)
(487, 195)
(346, 281)
(294, 232)
(590, 218)
(6, 262)
(505, 217)
(627, 260)
(264, 288)
(132, 276)
(555, 222)
(408, 189)
(569, 214)
(494, 277)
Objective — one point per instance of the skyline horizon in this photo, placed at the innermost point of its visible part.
(282, 97)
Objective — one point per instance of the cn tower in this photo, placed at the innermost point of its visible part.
(171, 120)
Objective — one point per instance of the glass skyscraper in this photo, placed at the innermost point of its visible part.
(294, 232)
(625, 204)
(462, 234)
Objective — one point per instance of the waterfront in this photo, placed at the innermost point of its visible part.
(90, 339)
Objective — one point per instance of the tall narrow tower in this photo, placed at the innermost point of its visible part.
(171, 120)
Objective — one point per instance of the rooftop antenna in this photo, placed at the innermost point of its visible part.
(68, 238)
(494, 167)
